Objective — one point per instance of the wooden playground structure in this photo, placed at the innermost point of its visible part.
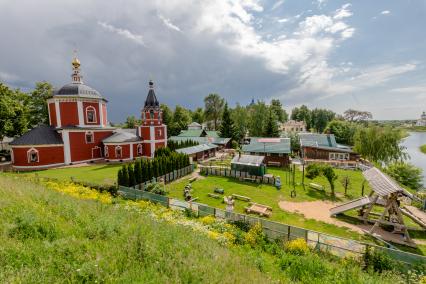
(388, 194)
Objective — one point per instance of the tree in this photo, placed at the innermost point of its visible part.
(125, 177)
(213, 106)
(120, 177)
(138, 171)
(14, 112)
(258, 114)
(241, 120)
(353, 115)
(167, 115)
(227, 129)
(406, 174)
(271, 128)
(344, 131)
(320, 118)
(302, 114)
(315, 170)
(131, 122)
(379, 144)
(294, 142)
(38, 109)
(198, 115)
(181, 119)
(131, 171)
(277, 108)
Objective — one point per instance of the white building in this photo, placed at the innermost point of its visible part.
(293, 126)
(422, 120)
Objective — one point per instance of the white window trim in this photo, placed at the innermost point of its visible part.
(106, 154)
(139, 149)
(89, 133)
(121, 152)
(29, 155)
(87, 117)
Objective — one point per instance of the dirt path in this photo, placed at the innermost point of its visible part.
(320, 211)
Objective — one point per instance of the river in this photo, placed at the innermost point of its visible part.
(412, 143)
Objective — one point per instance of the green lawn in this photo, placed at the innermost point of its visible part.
(98, 174)
(423, 149)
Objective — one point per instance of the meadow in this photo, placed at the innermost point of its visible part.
(61, 232)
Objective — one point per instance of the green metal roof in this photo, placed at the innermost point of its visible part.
(196, 149)
(212, 134)
(281, 147)
(201, 140)
(322, 141)
(249, 160)
(198, 133)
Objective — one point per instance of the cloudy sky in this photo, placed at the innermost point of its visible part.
(368, 55)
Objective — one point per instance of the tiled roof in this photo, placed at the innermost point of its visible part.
(196, 149)
(281, 147)
(250, 160)
(41, 135)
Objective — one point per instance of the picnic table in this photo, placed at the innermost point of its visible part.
(260, 209)
(241, 197)
(316, 186)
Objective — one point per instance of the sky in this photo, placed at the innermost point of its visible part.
(366, 55)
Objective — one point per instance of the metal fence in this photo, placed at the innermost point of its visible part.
(169, 177)
(227, 172)
(278, 231)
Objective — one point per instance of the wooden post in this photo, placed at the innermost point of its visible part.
(388, 205)
(370, 207)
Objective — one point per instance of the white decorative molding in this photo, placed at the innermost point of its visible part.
(67, 148)
(80, 113)
(152, 136)
(101, 113)
(58, 113)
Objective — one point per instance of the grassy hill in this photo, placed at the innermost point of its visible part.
(50, 234)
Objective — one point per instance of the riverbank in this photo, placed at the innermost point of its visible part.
(423, 149)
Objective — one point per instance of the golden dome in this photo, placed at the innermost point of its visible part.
(75, 62)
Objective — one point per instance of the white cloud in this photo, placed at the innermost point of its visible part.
(283, 20)
(343, 12)
(168, 23)
(277, 4)
(123, 32)
(385, 12)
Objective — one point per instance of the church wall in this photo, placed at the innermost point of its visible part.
(125, 152)
(96, 106)
(69, 113)
(104, 114)
(46, 155)
(52, 115)
(82, 151)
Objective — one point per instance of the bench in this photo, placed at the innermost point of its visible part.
(219, 190)
(250, 179)
(316, 186)
(241, 197)
(192, 179)
(271, 163)
(214, 196)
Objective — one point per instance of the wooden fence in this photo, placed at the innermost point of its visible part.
(242, 176)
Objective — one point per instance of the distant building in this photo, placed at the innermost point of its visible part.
(195, 126)
(316, 146)
(422, 120)
(293, 126)
(199, 152)
(202, 136)
(275, 150)
(250, 164)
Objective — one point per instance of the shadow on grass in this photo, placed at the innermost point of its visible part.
(107, 167)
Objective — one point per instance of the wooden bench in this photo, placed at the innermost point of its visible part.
(250, 179)
(271, 163)
(316, 186)
(241, 197)
(192, 179)
(214, 195)
(219, 190)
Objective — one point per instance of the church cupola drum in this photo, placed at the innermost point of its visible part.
(152, 130)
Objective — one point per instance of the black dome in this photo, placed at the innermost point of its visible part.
(80, 90)
(151, 99)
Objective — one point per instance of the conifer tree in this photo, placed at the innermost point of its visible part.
(125, 176)
(138, 171)
(120, 177)
(131, 171)
(271, 128)
(227, 129)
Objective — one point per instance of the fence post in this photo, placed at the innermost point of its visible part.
(288, 233)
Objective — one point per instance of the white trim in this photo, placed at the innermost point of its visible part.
(131, 151)
(106, 152)
(152, 136)
(12, 158)
(121, 143)
(100, 151)
(29, 157)
(87, 133)
(101, 114)
(80, 113)
(58, 113)
(67, 148)
(115, 151)
(38, 167)
(88, 128)
(87, 117)
(137, 149)
(38, 146)
(48, 111)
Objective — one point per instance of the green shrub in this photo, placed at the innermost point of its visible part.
(307, 269)
(255, 236)
(297, 247)
(28, 226)
(377, 260)
(406, 174)
(312, 171)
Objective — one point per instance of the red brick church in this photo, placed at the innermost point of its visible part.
(79, 130)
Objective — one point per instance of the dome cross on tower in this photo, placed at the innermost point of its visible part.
(76, 76)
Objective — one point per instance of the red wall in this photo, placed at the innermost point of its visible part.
(135, 150)
(96, 106)
(104, 113)
(69, 113)
(80, 150)
(147, 149)
(46, 156)
(157, 132)
(52, 111)
(145, 133)
(125, 152)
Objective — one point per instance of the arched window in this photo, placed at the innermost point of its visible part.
(89, 137)
(151, 114)
(118, 152)
(140, 149)
(90, 114)
(106, 154)
(32, 155)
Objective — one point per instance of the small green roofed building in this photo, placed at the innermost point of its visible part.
(250, 164)
(202, 136)
(275, 150)
(316, 146)
(199, 152)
